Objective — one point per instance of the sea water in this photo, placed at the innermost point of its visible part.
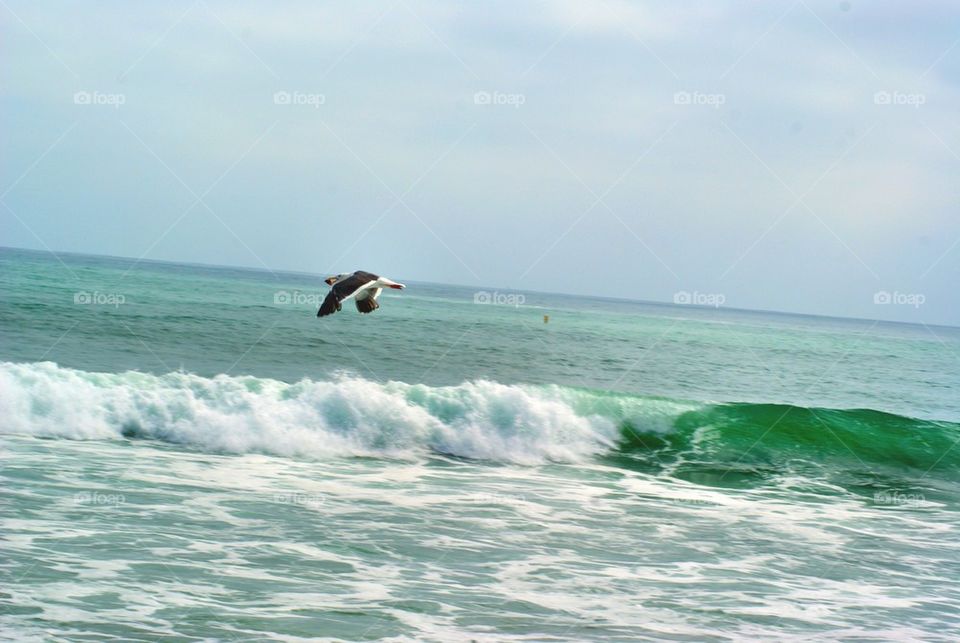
(188, 453)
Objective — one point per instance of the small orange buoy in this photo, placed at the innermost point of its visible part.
(546, 318)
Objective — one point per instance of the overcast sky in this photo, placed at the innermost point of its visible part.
(799, 156)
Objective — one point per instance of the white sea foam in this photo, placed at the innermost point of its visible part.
(345, 416)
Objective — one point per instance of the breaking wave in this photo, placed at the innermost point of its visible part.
(351, 416)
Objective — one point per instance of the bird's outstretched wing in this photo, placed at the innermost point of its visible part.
(367, 301)
(330, 305)
(345, 289)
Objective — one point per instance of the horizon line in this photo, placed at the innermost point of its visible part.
(274, 272)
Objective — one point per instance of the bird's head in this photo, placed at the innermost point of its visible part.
(331, 280)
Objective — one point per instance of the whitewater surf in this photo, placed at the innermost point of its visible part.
(352, 416)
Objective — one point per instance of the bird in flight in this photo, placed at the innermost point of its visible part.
(363, 287)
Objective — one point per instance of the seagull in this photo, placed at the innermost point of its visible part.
(364, 287)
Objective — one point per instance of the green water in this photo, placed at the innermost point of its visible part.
(189, 454)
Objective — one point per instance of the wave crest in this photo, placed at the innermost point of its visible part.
(351, 416)
(345, 416)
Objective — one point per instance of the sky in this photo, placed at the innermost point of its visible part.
(796, 156)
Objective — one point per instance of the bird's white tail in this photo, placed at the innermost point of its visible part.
(389, 283)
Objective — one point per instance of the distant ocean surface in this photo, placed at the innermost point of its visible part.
(187, 453)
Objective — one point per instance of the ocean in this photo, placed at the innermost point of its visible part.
(189, 454)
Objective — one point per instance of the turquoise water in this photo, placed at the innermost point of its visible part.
(188, 453)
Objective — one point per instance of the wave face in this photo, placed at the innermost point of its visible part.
(729, 443)
(349, 416)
